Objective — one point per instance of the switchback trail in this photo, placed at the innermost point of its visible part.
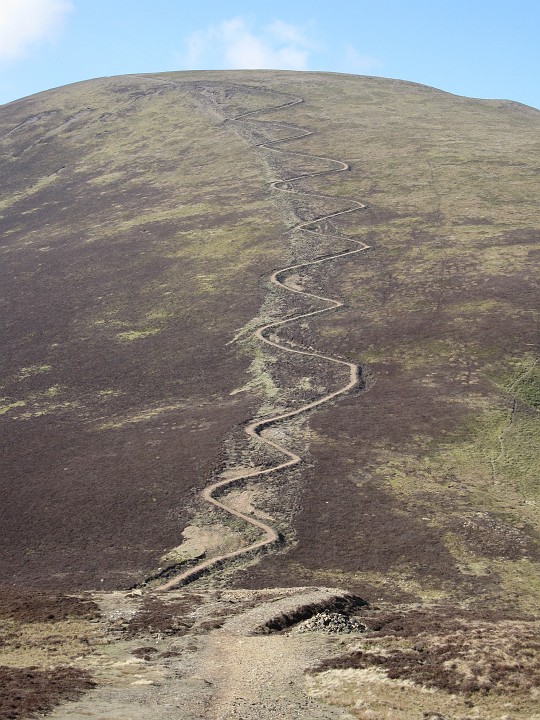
(264, 334)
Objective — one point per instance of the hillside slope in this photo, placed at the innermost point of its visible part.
(139, 233)
(134, 230)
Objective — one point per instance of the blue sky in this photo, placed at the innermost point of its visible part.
(479, 48)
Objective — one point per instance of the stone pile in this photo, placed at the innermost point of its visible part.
(331, 622)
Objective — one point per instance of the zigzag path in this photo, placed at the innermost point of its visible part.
(264, 333)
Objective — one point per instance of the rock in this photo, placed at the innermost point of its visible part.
(331, 622)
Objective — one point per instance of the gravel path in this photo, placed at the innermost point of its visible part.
(218, 675)
(265, 333)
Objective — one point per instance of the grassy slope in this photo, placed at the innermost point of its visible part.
(424, 485)
(437, 489)
(128, 262)
(127, 265)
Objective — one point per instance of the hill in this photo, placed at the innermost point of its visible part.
(142, 219)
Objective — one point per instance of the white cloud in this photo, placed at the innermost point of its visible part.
(356, 62)
(24, 23)
(234, 45)
(288, 33)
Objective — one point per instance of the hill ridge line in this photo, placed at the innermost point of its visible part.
(255, 427)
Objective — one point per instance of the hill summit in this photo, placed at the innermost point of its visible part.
(270, 398)
(140, 230)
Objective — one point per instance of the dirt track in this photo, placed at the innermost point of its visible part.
(255, 428)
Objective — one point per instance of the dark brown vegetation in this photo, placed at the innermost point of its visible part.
(121, 285)
(457, 652)
(157, 616)
(413, 622)
(27, 692)
(41, 634)
(35, 606)
(427, 481)
(133, 256)
(146, 653)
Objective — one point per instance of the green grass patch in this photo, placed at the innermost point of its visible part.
(132, 335)
(31, 370)
(528, 389)
(7, 406)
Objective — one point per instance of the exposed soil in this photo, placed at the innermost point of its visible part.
(221, 666)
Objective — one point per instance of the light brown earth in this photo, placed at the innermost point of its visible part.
(222, 673)
(200, 655)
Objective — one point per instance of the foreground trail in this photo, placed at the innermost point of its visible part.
(261, 678)
(266, 334)
(228, 672)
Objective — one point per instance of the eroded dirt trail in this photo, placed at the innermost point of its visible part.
(230, 671)
(255, 678)
(265, 334)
